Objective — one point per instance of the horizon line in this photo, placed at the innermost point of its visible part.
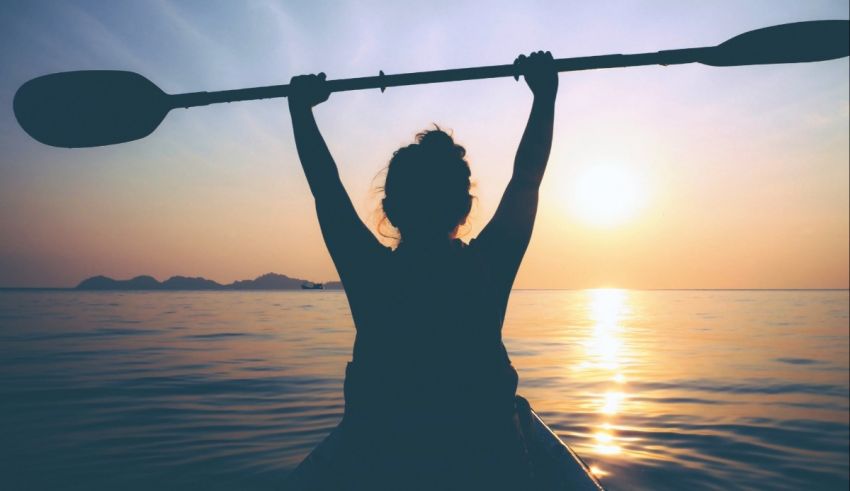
(72, 288)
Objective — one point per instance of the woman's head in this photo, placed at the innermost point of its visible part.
(426, 192)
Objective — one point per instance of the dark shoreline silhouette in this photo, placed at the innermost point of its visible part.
(268, 281)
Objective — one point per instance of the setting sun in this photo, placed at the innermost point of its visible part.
(417, 245)
(606, 195)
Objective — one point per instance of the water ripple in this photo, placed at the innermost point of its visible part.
(689, 390)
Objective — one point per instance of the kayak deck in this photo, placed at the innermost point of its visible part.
(555, 462)
(556, 465)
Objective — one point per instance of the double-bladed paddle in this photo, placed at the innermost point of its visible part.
(103, 107)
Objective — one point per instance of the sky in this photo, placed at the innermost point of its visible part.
(660, 177)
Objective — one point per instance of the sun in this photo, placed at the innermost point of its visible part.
(607, 195)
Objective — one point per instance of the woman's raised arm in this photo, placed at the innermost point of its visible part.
(350, 243)
(504, 240)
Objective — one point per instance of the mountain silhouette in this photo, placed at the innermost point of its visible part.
(106, 283)
(268, 281)
(186, 283)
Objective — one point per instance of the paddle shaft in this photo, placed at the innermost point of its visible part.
(670, 57)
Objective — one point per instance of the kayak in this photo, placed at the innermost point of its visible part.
(556, 465)
(560, 467)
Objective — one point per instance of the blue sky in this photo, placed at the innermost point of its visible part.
(217, 191)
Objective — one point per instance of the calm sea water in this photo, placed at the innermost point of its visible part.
(230, 390)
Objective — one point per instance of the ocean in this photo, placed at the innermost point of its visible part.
(679, 390)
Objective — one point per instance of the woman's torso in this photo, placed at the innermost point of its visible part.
(428, 338)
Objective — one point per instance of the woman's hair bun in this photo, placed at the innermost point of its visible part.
(439, 141)
(426, 187)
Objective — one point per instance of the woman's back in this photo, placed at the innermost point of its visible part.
(429, 331)
(429, 393)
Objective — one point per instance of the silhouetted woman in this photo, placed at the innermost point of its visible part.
(430, 391)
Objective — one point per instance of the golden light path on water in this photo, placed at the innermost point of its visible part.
(605, 352)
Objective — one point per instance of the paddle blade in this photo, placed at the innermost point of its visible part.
(89, 108)
(786, 43)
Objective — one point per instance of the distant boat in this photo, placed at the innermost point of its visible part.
(312, 286)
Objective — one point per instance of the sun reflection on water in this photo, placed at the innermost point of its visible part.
(605, 354)
(612, 402)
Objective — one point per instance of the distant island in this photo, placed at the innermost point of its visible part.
(269, 281)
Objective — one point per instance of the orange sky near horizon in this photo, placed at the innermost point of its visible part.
(743, 172)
